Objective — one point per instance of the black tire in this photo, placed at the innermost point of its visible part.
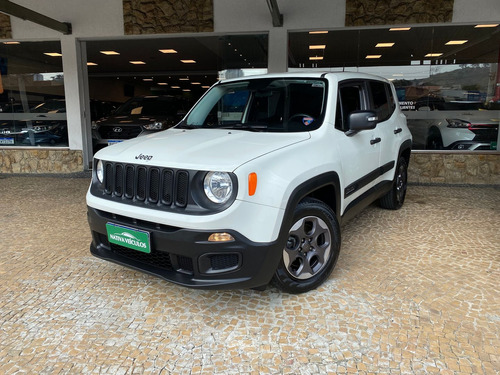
(312, 248)
(395, 198)
(434, 140)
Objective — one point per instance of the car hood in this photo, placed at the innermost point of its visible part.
(199, 149)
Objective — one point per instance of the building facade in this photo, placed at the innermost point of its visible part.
(55, 84)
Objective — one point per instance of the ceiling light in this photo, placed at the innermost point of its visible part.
(175, 87)
(170, 50)
(162, 83)
(196, 83)
(137, 62)
(486, 25)
(52, 54)
(399, 28)
(456, 42)
(373, 56)
(184, 79)
(188, 61)
(316, 58)
(433, 55)
(109, 53)
(186, 90)
(11, 43)
(205, 87)
(318, 46)
(147, 79)
(91, 64)
(384, 45)
(318, 32)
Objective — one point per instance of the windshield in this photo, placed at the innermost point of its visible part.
(265, 104)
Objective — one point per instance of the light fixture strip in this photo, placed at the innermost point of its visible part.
(110, 53)
(384, 45)
(400, 28)
(456, 42)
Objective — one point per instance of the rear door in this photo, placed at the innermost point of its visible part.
(388, 129)
(359, 152)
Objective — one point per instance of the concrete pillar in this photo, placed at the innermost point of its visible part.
(278, 50)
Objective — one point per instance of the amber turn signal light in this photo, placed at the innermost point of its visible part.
(252, 183)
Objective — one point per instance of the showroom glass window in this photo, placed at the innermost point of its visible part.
(447, 78)
(32, 103)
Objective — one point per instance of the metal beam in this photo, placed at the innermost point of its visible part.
(275, 13)
(15, 10)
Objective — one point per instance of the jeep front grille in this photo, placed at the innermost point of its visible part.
(144, 185)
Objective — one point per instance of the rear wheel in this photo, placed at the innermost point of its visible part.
(311, 250)
(434, 140)
(395, 198)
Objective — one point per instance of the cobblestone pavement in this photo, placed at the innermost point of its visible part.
(415, 291)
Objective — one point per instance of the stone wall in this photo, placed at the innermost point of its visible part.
(442, 168)
(394, 12)
(40, 161)
(5, 27)
(167, 16)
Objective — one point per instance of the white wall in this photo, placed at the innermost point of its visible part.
(254, 15)
(476, 11)
(89, 18)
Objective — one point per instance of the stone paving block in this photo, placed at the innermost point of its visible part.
(415, 291)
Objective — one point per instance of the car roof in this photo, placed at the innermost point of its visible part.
(332, 76)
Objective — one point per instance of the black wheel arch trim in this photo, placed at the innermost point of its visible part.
(405, 148)
(304, 190)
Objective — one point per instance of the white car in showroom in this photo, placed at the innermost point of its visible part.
(251, 187)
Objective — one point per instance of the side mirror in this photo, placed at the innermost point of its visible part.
(361, 120)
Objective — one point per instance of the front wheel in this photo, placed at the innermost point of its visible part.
(395, 198)
(311, 250)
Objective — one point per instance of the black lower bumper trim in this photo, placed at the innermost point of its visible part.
(186, 257)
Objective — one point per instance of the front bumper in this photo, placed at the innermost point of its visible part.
(186, 257)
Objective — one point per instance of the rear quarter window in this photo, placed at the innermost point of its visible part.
(382, 99)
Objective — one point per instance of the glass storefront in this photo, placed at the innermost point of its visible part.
(32, 102)
(447, 77)
(159, 79)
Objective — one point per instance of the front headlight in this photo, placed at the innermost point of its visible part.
(457, 123)
(158, 125)
(218, 186)
(99, 171)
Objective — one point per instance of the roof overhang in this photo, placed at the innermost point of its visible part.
(15, 10)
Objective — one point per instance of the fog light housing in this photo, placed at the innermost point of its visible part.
(220, 237)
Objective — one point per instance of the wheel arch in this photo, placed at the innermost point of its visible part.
(405, 150)
(325, 187)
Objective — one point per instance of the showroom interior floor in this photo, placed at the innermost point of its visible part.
(415, 291)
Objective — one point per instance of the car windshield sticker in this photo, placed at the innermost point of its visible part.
(307, 120)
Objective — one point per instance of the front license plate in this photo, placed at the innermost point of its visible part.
(113, 142)
(128, 237)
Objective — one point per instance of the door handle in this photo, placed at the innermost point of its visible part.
(376, 140)
(398, 130)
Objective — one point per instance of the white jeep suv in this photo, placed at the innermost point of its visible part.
(252, 185)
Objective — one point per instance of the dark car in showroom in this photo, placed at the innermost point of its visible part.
(139, 116)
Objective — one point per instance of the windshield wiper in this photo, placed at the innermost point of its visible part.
(251, 127)
(185, 126)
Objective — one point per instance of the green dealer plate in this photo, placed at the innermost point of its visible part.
(128, 237)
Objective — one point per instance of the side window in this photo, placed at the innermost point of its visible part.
(392, 101)
(380, 102)
(350, 99)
